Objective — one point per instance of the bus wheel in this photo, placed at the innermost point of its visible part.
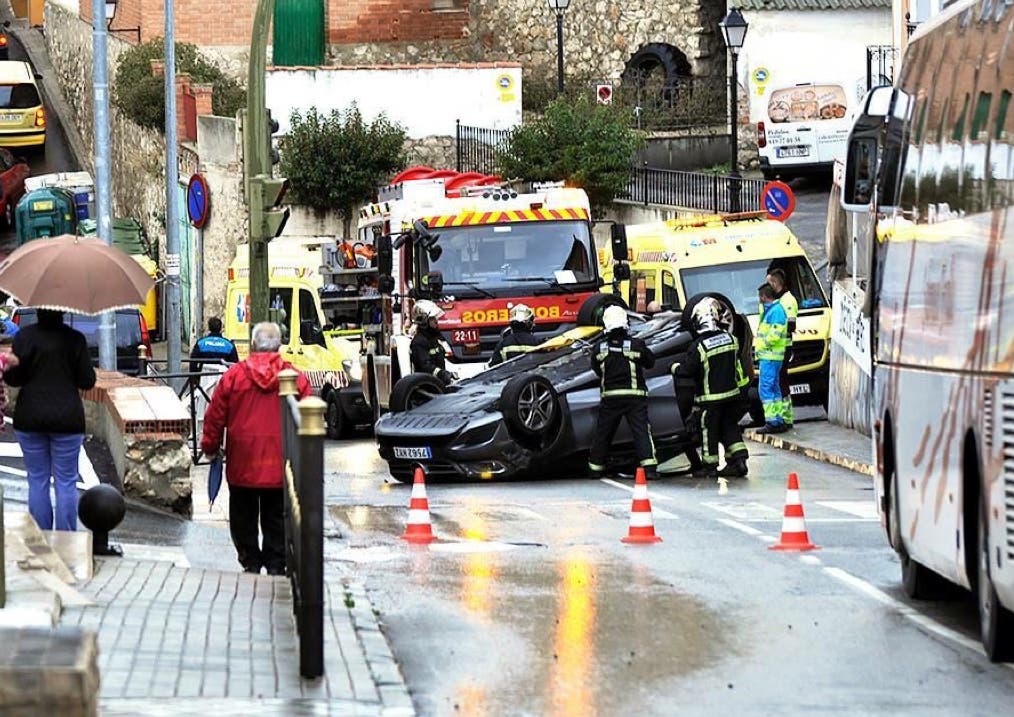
(918, 581)
(996, 623)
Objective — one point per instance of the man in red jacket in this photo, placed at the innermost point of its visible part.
(245, 404)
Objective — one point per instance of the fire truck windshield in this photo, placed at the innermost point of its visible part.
(505, 256)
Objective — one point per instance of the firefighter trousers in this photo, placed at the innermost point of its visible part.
(720, 424)
(611, 411)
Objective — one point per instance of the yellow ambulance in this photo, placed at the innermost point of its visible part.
(674, 260)
(329, 360)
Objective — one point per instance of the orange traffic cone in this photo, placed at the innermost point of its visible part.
(794, 535)
(642, 529)
(418, 529)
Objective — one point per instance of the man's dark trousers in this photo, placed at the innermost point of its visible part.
(245, 506)
(611, 411)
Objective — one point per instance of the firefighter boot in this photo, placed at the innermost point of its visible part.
(734, 468)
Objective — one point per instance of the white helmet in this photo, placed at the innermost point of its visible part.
(425, 310)
(614, 317)
(706, 315)
(521, 314)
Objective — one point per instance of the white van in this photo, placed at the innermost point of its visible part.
(802, 129)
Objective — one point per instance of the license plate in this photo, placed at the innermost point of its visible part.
(793, 151)
(798, 388)
(465, 336)
(412, 454)
(8, 117)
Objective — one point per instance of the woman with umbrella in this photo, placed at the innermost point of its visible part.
(56, 275)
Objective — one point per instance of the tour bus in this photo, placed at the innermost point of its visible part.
(933, 157)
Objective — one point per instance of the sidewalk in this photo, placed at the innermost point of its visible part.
(824, 442)
(172, 637)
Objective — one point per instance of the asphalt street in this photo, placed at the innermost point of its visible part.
(809, 219)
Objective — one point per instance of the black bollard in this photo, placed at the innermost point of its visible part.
(101, 509)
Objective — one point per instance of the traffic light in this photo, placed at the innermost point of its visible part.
(272, 148)
(267, 216)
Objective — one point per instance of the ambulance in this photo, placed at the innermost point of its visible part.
(674, 260)
(329, 360)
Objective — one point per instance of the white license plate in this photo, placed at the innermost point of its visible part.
(7, 117)
(412, 454)
(798, 388)
(793, 151)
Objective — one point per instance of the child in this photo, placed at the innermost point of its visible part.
(7, 360)
(769, 346)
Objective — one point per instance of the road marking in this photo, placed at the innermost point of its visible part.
(472, 546)
(740, 527)
(630, 489)
(532, 513)
(13, 471)
(865, 509)
(746, 511)
(809, 559)
(925, 622)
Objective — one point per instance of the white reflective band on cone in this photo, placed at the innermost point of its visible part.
(418, 490)
(417, 517)
(640, 492)
(793, 525)
(792, 497)
(640, 520)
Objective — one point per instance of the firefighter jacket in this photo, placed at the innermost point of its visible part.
(772, 333)
(713, 361)
(619, 361)
(428, 353)
(513, 342)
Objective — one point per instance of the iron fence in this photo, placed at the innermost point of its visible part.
(694, 190)
(476, 148)
(303, 494)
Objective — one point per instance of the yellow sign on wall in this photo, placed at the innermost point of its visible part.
(505, 84)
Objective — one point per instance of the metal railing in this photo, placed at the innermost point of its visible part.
(476, 148)
(303, 491)
(694, 190)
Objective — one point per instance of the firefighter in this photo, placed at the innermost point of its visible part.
(769, 347)
(518, 337)
(619, 361)
(713, 362)
(427, 348)
(776, 277)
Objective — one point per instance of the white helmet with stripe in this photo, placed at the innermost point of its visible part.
(614, 317)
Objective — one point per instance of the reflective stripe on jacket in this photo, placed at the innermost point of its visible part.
(772, 333)
(513, 343)
(619, 361)
(427, 352)
(714, 363)
(791, 306)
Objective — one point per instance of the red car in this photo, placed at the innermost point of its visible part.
(13, 171)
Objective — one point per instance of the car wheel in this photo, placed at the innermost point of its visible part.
(336, 424)
(590, 313)
(530, 406)
(996, 623)
(693, 301)
(918, 581)
(414, 390)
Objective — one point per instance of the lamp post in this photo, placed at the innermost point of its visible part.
(560, 7)
(734, 32)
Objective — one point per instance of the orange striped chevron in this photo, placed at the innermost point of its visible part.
(467, 219)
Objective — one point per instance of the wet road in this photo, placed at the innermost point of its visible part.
(530, 604)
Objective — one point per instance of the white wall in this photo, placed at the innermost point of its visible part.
(811, 46)
(425, 100)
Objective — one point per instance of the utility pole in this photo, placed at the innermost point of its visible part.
(100, 84)
(264, 193)
(174, 336)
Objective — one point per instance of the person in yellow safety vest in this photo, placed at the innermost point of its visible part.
(776, 277)
(427, 349)
(713, 361)
(769, 347)
(619, 360)
(518, 337)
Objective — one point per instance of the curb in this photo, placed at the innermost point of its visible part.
(784, 443)
(394, 695)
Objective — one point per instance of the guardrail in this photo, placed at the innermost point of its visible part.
(713, 193)
(303, 454)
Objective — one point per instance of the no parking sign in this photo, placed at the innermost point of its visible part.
(778, 200)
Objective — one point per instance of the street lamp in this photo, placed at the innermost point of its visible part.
(111, 15)
(560, 7)
(734, 32)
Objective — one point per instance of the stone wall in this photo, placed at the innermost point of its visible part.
(436, 152)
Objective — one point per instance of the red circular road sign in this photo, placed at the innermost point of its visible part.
(778, 200)
(198, 201)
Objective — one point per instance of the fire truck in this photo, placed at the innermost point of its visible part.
(474, 245)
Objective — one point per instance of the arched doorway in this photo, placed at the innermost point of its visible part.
(655, 71)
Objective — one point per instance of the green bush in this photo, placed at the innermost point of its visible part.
(141, 96)
(337, 160)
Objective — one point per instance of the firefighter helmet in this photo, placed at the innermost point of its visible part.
(425, 310)
(523, 317)
(614, 317)
(707, 316)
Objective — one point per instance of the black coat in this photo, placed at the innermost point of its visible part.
(55, 366)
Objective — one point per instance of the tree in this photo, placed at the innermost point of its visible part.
(576, 140)
(141, 96)
(336, 161)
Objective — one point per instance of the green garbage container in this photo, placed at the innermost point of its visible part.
(45, 212)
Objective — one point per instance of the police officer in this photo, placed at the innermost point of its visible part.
(213, 347)
(427, 348)
(714, 363)
(776, 277)
(619, 361)
(518, 337)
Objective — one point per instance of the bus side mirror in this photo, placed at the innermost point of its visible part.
(385, 264)
(434, 283)
(860, 174)
(618, 239)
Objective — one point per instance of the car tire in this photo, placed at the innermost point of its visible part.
(693, 301)
(590, 313)
(530, 407)
(996, 623)
(414, 390)
(337, 426)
